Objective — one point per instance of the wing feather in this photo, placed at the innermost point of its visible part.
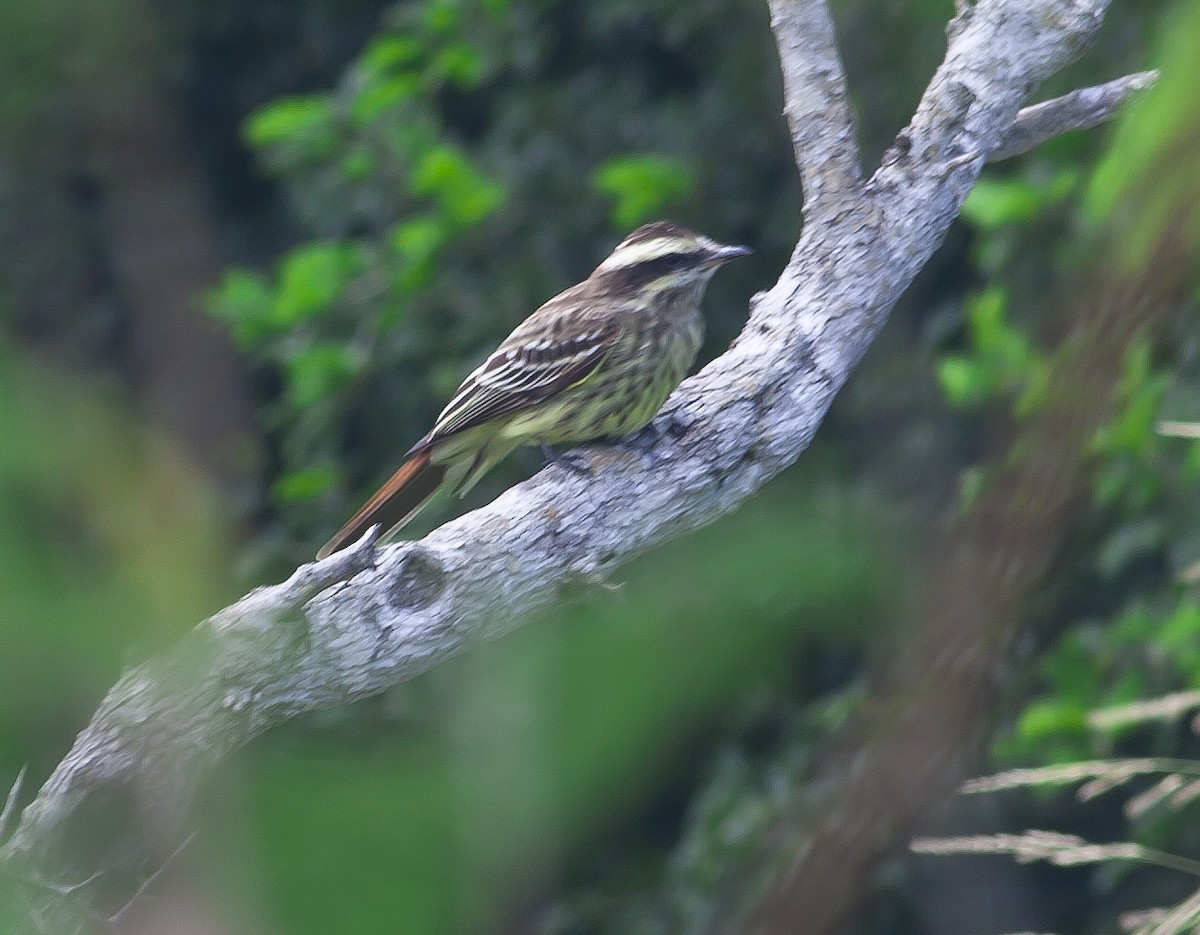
(522, 374)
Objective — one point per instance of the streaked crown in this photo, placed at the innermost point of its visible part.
(663, 255)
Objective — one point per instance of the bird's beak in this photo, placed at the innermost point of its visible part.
(724, 254)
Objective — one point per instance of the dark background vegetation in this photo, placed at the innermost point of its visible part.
(247, 250)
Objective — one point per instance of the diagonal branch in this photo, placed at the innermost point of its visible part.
(1079, 110)
(746, 416)
(816, 103)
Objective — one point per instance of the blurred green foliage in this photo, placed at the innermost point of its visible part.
(113, 547)
(1139, 569)
(1001, 360)
(1127, 616)
(641, 187)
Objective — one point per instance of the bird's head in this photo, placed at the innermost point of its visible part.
(664, 257)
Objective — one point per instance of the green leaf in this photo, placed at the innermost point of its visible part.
(243, 302)
(418, 239)
(962, 381)
(1046, 719)
(417, 243)
(1180, 637)
(306, 484)
(1189, 470)
(458, 64)
(1063, 185)
(642, 186)
(389, 54)
(311, 280)
(996, 202)
(446, 174)
(376, 99)
(1111, 481)
(306, 122)
(1131, 430)
(442, 17)
(358, 165)
(985, 312)
(318, 371)
(1002, 359)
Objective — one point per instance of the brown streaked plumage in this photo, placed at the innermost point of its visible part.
(597, 360)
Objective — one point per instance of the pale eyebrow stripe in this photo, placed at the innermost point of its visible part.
(641, 252)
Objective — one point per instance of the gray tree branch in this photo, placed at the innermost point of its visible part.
(816, 103)
(364, 620)
(1079, 110)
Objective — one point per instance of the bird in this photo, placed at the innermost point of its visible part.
(596, 361)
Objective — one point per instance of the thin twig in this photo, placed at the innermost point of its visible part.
(150, 880)
(10, 804)
(61, 889)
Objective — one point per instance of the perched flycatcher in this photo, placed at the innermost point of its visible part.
(597, 360)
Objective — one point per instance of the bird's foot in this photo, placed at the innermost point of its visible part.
(575, 463)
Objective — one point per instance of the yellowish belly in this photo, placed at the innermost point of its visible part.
(620, 408)
(620, 398)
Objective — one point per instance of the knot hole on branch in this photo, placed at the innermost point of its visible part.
(960, 100)
(419, 581)
(675, 423)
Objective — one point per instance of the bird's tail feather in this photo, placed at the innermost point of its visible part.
(395, 503)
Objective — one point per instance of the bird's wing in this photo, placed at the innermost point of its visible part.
(520, 374)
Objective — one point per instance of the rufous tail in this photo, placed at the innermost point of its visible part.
(393, 504)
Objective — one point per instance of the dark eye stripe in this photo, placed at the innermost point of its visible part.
(651, 269)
